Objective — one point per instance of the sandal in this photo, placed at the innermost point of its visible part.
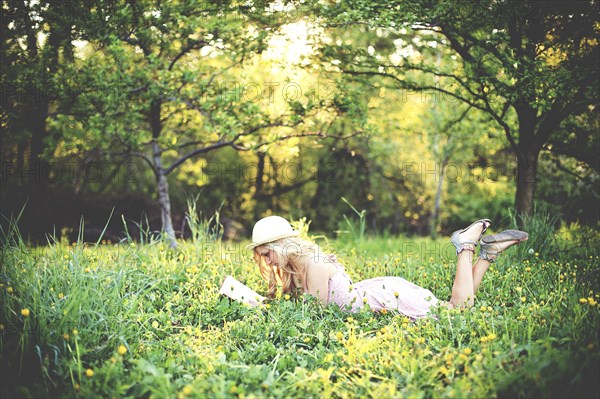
(462, 245)
(489, 244)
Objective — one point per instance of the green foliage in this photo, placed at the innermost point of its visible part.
(301, 225)
(356, 229)
(130, 320)
(202, 230)
(466, 202)
(187, 73)
(578, 241)
(528, 66)
(541, 226)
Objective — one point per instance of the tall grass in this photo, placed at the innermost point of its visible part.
(541, 226)
(354, 229)
(131, 320)
(202, 229)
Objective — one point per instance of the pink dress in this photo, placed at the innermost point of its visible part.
(391, 293)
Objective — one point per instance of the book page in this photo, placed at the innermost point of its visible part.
(237, 291)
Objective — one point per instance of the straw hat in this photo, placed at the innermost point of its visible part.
(269, 229)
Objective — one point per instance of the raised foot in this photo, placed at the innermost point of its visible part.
(467, 238)
(493, 245)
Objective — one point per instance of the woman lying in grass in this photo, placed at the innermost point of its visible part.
(298, 264)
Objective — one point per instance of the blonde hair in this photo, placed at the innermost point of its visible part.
(293, 252)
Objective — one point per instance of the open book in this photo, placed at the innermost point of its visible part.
(239, 292)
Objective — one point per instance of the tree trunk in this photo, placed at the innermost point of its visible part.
(161, 178)
(37, 171)
(438, 200)
(163, 196)
(263, 201)
(526, 179)
(35, 111)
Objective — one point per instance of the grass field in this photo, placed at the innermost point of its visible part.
(142, 320)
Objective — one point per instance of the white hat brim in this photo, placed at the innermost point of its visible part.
(252, 245)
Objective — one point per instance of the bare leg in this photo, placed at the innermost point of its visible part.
(482, 265)
(479, 269)
(462, 290)
(465, 240)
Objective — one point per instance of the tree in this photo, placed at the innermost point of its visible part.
(36, 42)
(166, 84)
(531, 65)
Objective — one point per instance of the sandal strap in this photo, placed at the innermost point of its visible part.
(462, 245)
(486, 250)
(466, 246)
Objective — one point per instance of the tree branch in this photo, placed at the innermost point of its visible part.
(315, 134)
(197, 152)
(286, 189)
(145, 158)
(194, 44)
(504, 125)
(457, 120)
(407, 85)
(136, 42)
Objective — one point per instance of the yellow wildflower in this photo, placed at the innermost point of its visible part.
(122, 350)
(488, 338)
(25, 312)
(583, 300)
(89, 373)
